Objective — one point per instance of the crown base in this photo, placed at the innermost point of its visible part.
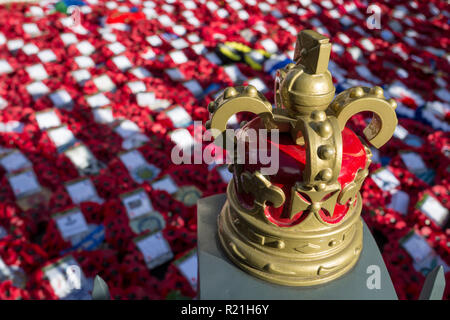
(285, 265)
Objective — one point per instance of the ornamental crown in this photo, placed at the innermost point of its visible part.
(301, 225)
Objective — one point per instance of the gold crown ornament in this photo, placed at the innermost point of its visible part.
(302, 225)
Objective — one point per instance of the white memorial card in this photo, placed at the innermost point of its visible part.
(62, 137)
(166, 184)
(155, 249)
(399, 202)
(37, 72)
(47, 56)
(61, 99)
(136, 86)
(81, 76)
(84, 62)
(70, 223)
(137, 203)
(82, 191)
(179, 116)
(5, 67)
(122, 62)
(116, 48)
(68, 38)
(24, 183)
(433, 209)
(37, 89)
(103, 115)
(385, 179)
(97, 100)
(104, 83)
(188, 266)
(14, 161)
(126, 129)
(85, 48)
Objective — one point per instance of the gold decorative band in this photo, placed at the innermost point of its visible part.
(289, 257)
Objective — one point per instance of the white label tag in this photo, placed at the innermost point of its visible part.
(14, 161)
(85, 48)
(37, 89)
(135, 141)
(399, 202)
(30, 48)
(189, 269)
(136, 86)
(104, 83)
(116, 48)
(103, 115)
(68, 38)
(110, 37)
(182, 138)
(179, 30)
(37, 72)
(154, 41)
(137, 204)
(122, 62)
(179, 44)
(97, 100)
(46, 56)
(145, 99)
(269, 45)
(61, 136)
(385, 180)
(5, 272)
(138, 168)
(67, 280)
(199, 49)
(141, 73)
(3, 103)
(15, 44)
(126, 129)
(11, 126)
(5, 67)
(259, 85)
(417, 247)
(24, 183)
(179, 116)
(132, 160)
(81, 75)
(194, 87)
(61, 98)
(71, 223)
(223, 13)
(165, 184)
(191, 5)
(434, 209)
(84, 62)
(234, 73)
(400, 132)
(155, 249)
(83, 159)
(213, 58)
(82, 191)
(165, 20)
(413, 162)
(3, 233)
(175, 74)
(178, 57)
(148, 54)
(193, 38)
